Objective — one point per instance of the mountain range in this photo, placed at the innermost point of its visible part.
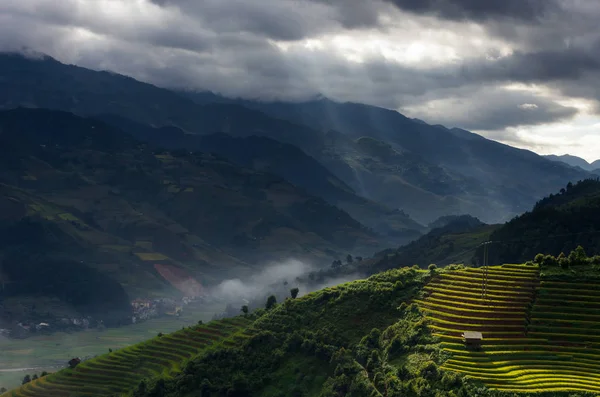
(575, 161)
(427, 171)
(556, 224)
(112, 212)
(117, 179)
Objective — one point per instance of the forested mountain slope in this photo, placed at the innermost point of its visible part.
(557, 223)
(138, 107)
(79, 192)
(485, 178)
(292, 163)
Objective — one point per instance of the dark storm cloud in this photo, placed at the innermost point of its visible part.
(286, 20)
(538, 66)
(238, 48)
(493, 109)
(480, 10)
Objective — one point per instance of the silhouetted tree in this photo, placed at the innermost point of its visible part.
(245, 309)
(539, 259)
(44, 373)
(578, 256)
(271, 302)
(294, 292)
(141, 389)
(3, 390)
(26, 379)
(349, 259)
(34, 377)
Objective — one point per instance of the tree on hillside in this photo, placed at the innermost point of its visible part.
(578, 256)
(336, 264)
(245, 309)
(432, 267)
(34, 377)
(44, 373)
(294, 292)
(349, 259)
(539, 259)
(271, 302)
(26, 379)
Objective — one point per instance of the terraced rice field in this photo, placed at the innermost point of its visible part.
(119, 372)
(537, 335)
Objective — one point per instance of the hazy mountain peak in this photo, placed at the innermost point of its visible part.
(574, 161)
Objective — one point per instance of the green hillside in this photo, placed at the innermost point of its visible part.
(397, 333)
(92, 211)
(454, 242)
(121, 370)
(538, 336)
(558, 223)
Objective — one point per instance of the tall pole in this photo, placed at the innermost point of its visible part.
(484, 272)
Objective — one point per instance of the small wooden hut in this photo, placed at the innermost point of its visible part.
(472, 338)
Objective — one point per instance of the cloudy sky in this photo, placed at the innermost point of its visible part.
(525, 72)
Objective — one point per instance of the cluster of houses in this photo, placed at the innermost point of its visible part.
(23, 329)
(144, 309)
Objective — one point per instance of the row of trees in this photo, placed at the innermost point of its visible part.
(28, 378)
(272, 301)
(576, 258)
(336, 264)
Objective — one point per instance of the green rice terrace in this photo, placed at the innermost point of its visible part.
(530, 329)
(537, 336)
(120, 371)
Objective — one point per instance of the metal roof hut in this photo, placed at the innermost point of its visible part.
(74, 362)
(472, 338)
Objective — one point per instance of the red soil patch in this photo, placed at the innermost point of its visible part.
(180, 279)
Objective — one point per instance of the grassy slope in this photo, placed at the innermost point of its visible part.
(362, 339)
(453, 243)
(121, 370)
(296, 338)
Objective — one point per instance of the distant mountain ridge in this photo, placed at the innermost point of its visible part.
(557, 223)
(575, 161)
(268, 155)
(488, 177)
(424, 170)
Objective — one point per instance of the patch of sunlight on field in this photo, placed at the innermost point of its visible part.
(67, 217)
(116, 247)
(151, 256)
(147, 245)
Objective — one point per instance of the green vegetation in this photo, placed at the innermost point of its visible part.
(453, 242)
(397, 333)
(538, 334)
(557, 223)
(124, 369)
(99, 218)
(296, 339)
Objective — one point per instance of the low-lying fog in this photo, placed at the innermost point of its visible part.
(276, 279)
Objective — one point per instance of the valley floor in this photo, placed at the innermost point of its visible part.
(19, 357)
